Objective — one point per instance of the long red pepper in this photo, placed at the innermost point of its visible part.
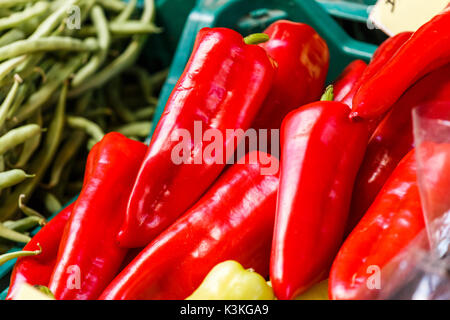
(302, 57)
(36, 270)
(426, 50)
(232, 221)
(348, 79)
(222, 87)
(321, 150)
(89, 256)
(393, 139)
(392, 221)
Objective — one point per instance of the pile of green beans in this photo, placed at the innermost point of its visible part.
(68, 75)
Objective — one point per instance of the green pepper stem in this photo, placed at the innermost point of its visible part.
(328, 94)
(256, 38)
(18, 254)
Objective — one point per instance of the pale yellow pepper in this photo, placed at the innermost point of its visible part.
(230, 281)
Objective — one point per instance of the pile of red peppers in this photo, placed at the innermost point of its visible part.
(344, 194)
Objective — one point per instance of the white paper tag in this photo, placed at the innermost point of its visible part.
(395, 16)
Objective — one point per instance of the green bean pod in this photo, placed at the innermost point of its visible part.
(27, 210)
(51, 202)
(104, 41)
(138, 129)
(67, 152)
(18, 136)
(90, 127)
(12, 177)
(41, 162)
(24, 224)
(11, 36)
(56, 43)
(30, 146)
(18, 254)
(12, 235)
(4, 107)
(127, 12)
(18, 18)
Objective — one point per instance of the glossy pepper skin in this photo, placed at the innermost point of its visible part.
(222, 87)
(393, 139)
(321, 150)
(303, 58)
(392, 221)
(232, 221)
(380, 57)
(36, 270)
(89, 256)
(230, 281)
(426, 50)
(348, 79)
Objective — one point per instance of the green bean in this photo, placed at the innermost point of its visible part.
(116, 102)
(113, 5)
(56, 76)
(18, 254)
(139, 129)
(4, 108)
(12, 235)
(23, 90)
(91, 128)
(17, 136)
(67, 152)
(159, 77)
(31, 145)
(145, 81)
(24, 224)
(98, 112)
(145, 113)
(52, 204)
(27, 210)
(122, 62)
(18, 18)
(11, 36)
(47, 44)
(13, 3)
(42, 161)
(83, 102)
(12, 177)
(127, 12)
(49, 24)
(104, 41)
(123, 29)
(9, 65)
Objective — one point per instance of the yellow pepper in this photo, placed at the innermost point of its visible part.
(317, 292)
(230, 281)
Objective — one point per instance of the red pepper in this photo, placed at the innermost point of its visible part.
(222, 87)
(392, 221)
(348, 79)
(426, 50)
(232, 221)
(380, 57)
(321, 150)
(393, 139)
(36, 270)
(89, 256)
(302, 57)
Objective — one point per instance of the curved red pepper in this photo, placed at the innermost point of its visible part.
(393, 139)
(233, 220)
(222, 87)
(426, 50)
(89, 256)
(392, 221)
(302, 57)
(321, 150)
(36, 270)
(348, 79)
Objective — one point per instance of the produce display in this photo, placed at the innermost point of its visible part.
(261, 180)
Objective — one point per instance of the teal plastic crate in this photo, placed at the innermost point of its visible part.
(181, 25)
(254, 16)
